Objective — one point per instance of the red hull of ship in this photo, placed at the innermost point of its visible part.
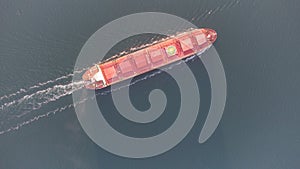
(160, 54)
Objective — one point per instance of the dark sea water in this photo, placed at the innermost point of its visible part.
(258, 42)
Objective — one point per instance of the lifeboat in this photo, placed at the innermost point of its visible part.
(144, 60)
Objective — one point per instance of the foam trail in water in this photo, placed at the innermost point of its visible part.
(36, 100)
(39, 85)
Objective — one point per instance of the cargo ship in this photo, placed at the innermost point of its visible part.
(149, 58)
